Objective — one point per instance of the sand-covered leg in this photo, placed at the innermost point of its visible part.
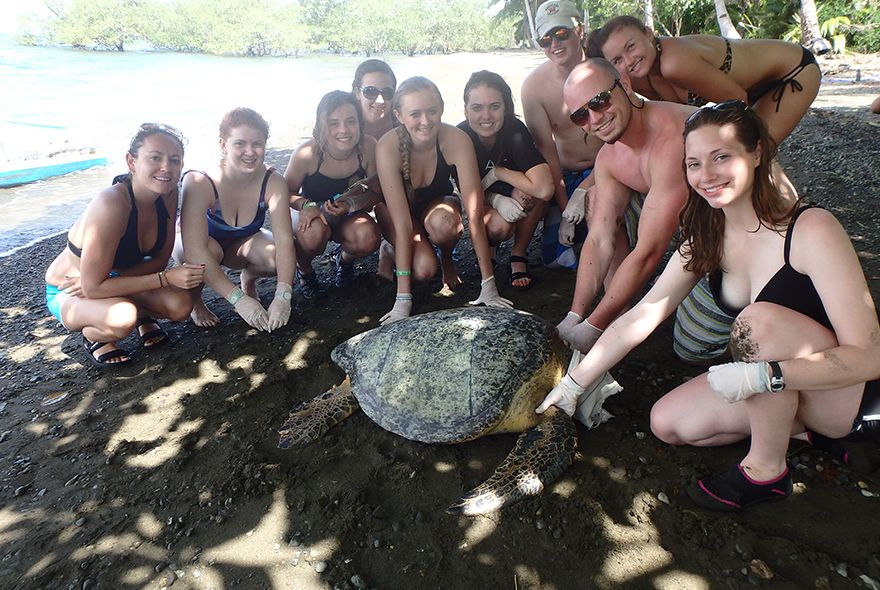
(310, 420)
(541, 454)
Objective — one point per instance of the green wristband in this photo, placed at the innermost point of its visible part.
(402, 273)
(236, 294)
(308, 205)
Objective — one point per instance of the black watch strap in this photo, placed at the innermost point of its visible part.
(777, 382)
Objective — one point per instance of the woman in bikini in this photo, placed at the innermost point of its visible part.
(414, 165)
(806, 340)
(337, 156)
(111, 277)
(373, 87)
(694, 69)
(221, 225)
(515, 177)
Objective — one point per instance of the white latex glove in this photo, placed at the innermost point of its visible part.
(566, 232)
(738, 381)
(489, 295)
(581, 337)
(574, 211)
(490, 178)
(570, 320)
(279, 309)
(589, 410)
(252, 312)
(564, 396)
(401, 310)
(508, 208)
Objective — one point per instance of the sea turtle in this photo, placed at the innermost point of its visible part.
(451, 376)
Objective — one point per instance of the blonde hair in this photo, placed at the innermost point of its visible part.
(409, 86)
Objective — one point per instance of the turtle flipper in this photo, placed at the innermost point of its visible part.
(311, 419)
(541, 454)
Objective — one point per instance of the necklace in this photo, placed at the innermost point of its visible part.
(332, 157)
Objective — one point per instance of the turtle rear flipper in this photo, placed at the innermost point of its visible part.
(541, 454)
(311, 419)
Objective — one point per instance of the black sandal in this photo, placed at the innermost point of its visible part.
(515, 276)
(102, 361)
(158, 332)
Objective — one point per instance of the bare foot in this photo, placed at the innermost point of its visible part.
(525, 279)
(249, 284)
(386, 261)
(202, 316)
(447, 266)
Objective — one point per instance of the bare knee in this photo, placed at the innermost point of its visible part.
(178, 306)
(664, 424)
(443, 227)
(120, 319)
(361, 237)
(313, 241)
(424, 266)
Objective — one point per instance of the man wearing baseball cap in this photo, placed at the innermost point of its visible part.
(567, 149)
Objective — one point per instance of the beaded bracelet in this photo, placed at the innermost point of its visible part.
(163, 279)
(402, 273)
(404, 297)
(308, 204)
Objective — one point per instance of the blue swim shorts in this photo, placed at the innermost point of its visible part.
(54, 300)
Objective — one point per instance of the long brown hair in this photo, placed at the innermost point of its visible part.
(599, 37)
(408, 86)
(329, 103)
(701, 242)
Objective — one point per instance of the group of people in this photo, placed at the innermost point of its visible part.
(652, 157)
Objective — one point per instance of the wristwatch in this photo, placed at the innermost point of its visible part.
(777, 381)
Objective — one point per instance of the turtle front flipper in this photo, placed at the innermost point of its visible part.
(541, 454)
(311, 419)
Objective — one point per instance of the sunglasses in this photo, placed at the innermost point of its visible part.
(734, 105)
(560, 34)
(372, 93)
(598, 103)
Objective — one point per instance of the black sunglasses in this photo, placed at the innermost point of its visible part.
(598, 103)
(560, 34)
(372, 93)
(733, 105)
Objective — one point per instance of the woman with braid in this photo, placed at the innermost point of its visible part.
(414, 165)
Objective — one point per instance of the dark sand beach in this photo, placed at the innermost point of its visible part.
(166, 472)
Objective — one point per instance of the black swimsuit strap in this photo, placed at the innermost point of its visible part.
(790, 231)
(266, 178)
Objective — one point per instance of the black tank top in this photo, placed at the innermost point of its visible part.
(787, 287)
(440, 185)
(320, 187)
(128, 252)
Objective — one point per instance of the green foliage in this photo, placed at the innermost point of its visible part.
(97, 24)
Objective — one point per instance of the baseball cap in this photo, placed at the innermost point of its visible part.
(555, 13)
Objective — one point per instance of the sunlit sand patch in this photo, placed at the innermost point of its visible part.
(479, 530)
(443, 467)
(678, 579)
(295, 359)
(24, 353)
(149, 526)
(41, 564)
(264, 546)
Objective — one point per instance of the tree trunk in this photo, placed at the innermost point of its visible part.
(649, 14)
(728, 31)
(810, 35)
(531, 24)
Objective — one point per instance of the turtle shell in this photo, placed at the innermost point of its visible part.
(454, 375)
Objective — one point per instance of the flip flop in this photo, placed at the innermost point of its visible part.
(158, 332)
(514, 276)
(101, 361)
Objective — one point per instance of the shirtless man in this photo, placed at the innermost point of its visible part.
(643, 152)
(567, 149)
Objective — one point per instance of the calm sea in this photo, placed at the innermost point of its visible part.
(58, 98)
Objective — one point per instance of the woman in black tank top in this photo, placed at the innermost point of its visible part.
(414, 166)
(806, 340)
(337, 156)
(117, 253)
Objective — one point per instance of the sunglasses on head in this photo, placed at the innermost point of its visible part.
(372, 93)
(733, 105)
(560, 34)
(598, 103)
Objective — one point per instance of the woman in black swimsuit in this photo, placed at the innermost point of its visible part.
(112, 275)
(806, 337)
(221, 224)
(337, 156)
(414, 166)
(694, 69)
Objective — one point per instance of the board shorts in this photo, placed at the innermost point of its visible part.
(702, 330)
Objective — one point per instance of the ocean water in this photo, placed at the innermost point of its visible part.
(55, 98)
